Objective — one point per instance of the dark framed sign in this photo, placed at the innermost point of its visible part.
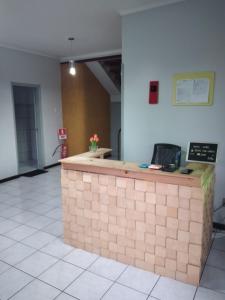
(202, 152)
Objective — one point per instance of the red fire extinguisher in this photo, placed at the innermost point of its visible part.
(62, 136)
(64, 150)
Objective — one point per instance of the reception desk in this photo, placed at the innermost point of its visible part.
(157, 221)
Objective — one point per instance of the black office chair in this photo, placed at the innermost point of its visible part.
(166, 154)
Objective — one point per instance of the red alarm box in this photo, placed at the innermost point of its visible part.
(153, 92)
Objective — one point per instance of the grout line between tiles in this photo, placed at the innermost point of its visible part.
(207, 258)
(154, 286)
(219, 268)
(114, 282)
(195, 293)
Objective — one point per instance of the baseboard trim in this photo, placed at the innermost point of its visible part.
(52, 166)
(9, 178)
(17, 176)
(219, 226)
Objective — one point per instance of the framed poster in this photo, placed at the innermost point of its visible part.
(193, 88)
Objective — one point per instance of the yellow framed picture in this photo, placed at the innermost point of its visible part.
(193, 88)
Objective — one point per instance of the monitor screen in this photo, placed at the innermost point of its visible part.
(202, 152)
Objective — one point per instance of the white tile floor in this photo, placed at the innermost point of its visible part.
(35, 264)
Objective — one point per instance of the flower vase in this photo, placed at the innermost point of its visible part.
(93, 148)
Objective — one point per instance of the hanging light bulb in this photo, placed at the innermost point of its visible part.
(72, 69)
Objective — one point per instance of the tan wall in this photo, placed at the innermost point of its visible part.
(86, 109)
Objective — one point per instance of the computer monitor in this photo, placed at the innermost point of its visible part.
(166, 154)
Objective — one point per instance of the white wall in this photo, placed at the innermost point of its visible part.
(158, 43)
(99, 72)
(20, 67)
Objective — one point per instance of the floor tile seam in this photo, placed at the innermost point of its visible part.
(206, 259)
(64, 261)
(212, 290)
(150, 295)
(9, 207)
(4, 234)
(20, 196)
(8, 246)
(34, 278)
(213, 248)
(215, 267)
(3, 220)
(28, 185)
(14, 265)
(116, 281)
(58, 235)
(127, 266)
(36, 198)
(30, 211)
(21, 241)
(20, 193)
(195, 293)
(36, 250)
(9, 217)
(67, 295)
(38, 229)
(10, 266)
(154, 285)
(59, 258)
(86, 270)
(63, 290)
(113, 283)
(100, 276)
(37, 277)
(42, 214)
(19, 224)
(24, 224)
(21, 289)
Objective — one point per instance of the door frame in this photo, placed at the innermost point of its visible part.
(38, 123)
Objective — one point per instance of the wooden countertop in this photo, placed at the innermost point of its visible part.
(100, 153)
(131, 170)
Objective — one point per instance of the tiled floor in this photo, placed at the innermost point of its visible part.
(35, 264)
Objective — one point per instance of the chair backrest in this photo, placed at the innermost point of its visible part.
(165, 154)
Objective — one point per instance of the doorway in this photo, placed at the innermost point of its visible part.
(97, 105)
(27, 121)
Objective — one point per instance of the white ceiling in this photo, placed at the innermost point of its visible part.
(43, 26)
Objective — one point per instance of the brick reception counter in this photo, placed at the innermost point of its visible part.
(157, 221)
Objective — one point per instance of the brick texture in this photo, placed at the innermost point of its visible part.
(163, 228)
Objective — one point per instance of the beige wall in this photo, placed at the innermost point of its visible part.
(86, 109)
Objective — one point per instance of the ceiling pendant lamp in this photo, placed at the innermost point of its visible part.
(72, 68)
